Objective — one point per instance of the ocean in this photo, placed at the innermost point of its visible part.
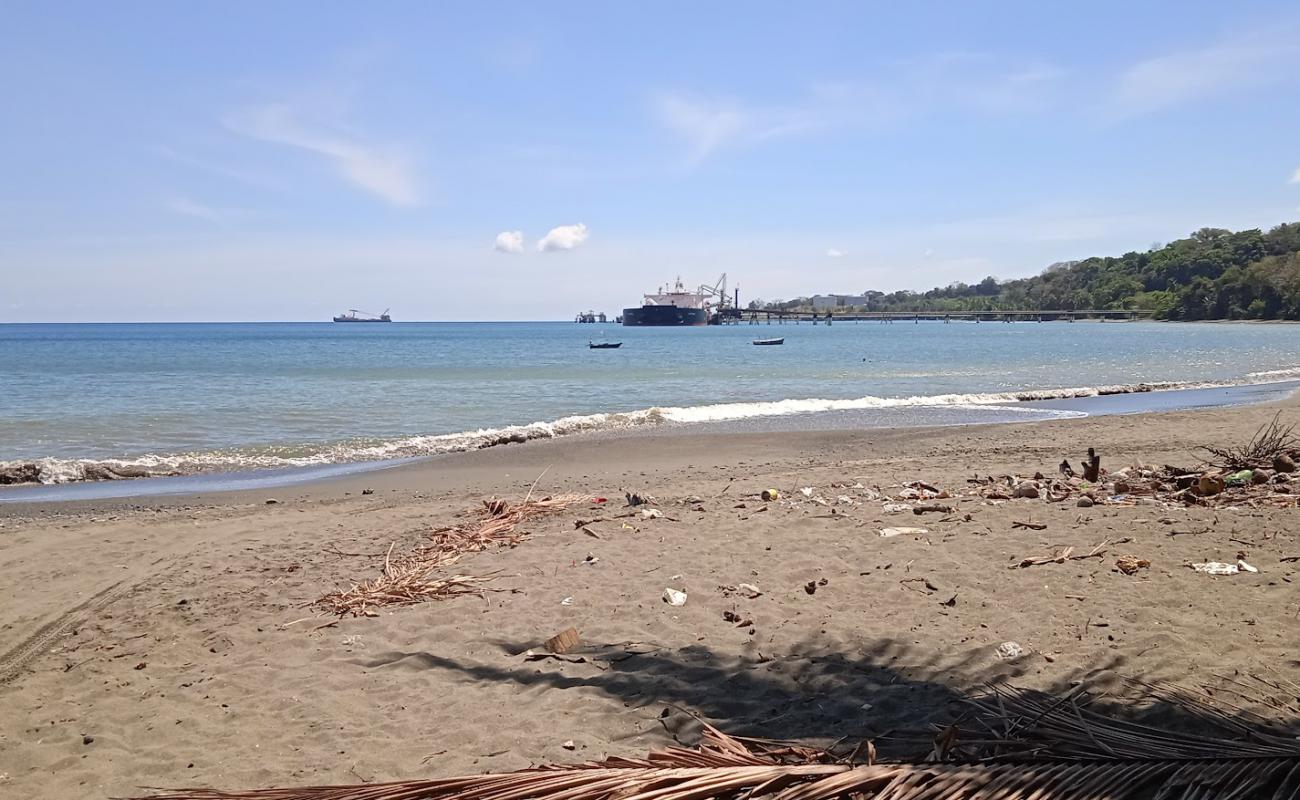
(101, 400)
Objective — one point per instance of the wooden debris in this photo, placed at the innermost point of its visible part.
(563, 642)
(1032, 526)
(1129, 565)
(1092, 467)
(1063, 555)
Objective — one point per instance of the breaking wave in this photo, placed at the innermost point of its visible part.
(52, 470)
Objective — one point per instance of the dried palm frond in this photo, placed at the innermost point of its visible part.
(1059, 750)
(1272, 439)
(404, 581)
(409, 578)
(497, 529)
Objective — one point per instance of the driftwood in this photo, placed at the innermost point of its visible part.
(1092, 467)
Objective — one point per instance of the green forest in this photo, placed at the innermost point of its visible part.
(1212, 274)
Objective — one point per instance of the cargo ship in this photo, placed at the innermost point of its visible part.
(674, 308)
(354, 315)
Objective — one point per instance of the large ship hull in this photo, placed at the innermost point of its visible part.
(664, 316)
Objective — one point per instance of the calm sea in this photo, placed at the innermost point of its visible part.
(198, 397)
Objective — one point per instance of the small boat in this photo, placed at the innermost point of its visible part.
(604, 345)
(770, 341)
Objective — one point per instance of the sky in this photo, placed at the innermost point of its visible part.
(208, 161)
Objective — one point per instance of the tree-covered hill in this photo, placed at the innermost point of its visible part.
(1213, 274)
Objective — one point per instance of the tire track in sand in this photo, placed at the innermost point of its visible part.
(14, 659)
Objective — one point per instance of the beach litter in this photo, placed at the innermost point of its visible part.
(673, 597)
(563, 642)
(770, 495)
(1008, 651)
(1244, 567)
(891, 532)
(1129, 565)
(638, 499)
(1216, 568)
(651, 513)
(896, 508)
(749, 590)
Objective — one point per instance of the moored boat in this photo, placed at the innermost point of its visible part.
(770, 341)
(670, 308)
(604, 345)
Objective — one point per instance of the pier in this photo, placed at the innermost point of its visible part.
(766, 316)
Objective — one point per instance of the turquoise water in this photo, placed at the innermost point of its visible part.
(196, 397)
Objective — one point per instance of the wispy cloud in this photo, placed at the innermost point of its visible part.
(383, 171)
(1295, 178)
(1231, 64)
(939, 83)
(186, 207)
(563, 237)
(509, 242)
(835, 253)
(703, 125)
(249, 177)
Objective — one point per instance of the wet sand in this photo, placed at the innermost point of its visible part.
(170, 641)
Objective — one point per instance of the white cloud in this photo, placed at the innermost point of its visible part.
(1231, 64)
(190, 208)
(564, 237)
(509, 242)
(1296, 177)
(834, 253)
(381, 171)
(703, 125)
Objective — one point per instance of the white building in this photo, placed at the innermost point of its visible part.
(829, 301)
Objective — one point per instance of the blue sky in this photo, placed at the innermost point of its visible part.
(235, 161)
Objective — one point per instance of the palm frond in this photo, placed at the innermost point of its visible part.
(1036, 748)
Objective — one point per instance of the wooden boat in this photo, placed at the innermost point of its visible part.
(770, 341)
(604, 345)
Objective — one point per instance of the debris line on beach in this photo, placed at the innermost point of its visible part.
(412, 577)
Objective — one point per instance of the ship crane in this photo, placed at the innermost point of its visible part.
(718, 290)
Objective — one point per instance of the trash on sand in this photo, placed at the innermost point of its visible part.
(749, 590)
(896, 508)
(674, 598)
(1244, 567)
(1216, 568)
(651, 513)
(1240, 478)
(638, 499)
(569, 745)
(806, 491)
(888, 532)
(1129, 565)
(563, 642)
(770, 495)
(1028, 491)
(591, 558)
(568, 601)
(1009, 650)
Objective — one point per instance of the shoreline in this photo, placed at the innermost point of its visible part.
(173, 641)
(1134, 399)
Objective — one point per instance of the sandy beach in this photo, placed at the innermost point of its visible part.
(172, 641)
